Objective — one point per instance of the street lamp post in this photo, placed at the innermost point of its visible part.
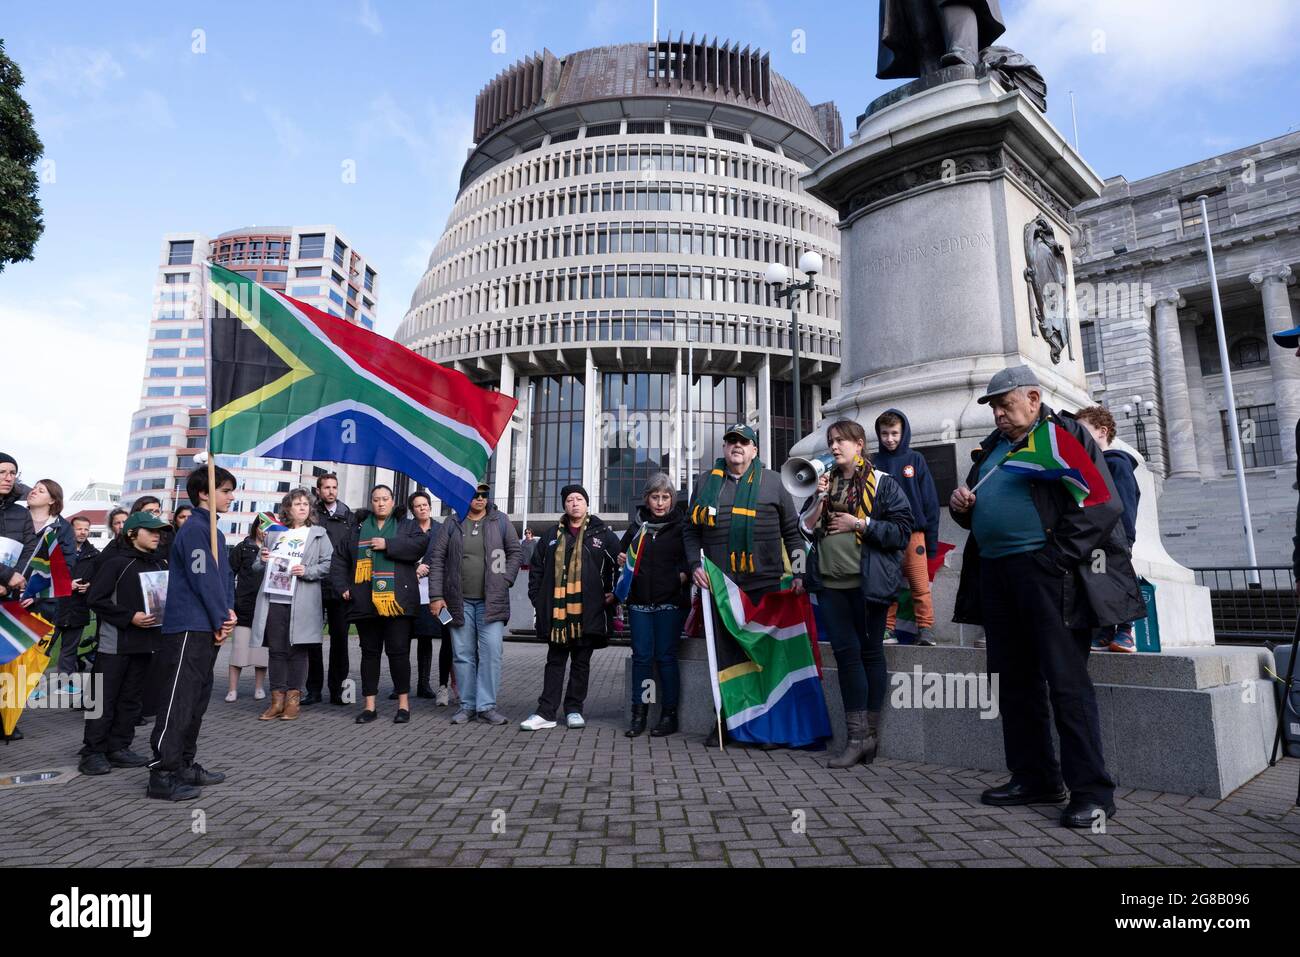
(1140, 427)
(810, 264)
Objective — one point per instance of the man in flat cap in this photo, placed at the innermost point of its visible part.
(1039, 572)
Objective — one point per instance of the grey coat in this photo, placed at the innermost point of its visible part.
(307, 612)
(444, 555)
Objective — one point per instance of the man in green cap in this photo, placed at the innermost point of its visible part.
(743, 519)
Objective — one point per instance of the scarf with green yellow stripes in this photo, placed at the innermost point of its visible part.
(855, 495)
(566, 601)
(740, 543)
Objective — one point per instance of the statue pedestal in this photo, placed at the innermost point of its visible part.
(934, 197)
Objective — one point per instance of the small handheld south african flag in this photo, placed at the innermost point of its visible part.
(1051, 453)
(623, 587)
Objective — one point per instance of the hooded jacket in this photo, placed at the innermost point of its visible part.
(406, 548)
(912, 473)
(116, 595)
(16, 524)
(599, 563)
(662, 563)
(1089, 599)
(447, 548)
(1123, 470)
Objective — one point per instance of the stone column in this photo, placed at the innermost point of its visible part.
(1272, 282)
(1175, 405)
(524, 481)
(501, 478)
(591, 431)
(765, 412)
(676, 467)
(1206, 424)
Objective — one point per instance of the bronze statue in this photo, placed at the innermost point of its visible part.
(920, 37)
(1046, 274)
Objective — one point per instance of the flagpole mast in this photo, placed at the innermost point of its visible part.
(207, 369)
(706, 608)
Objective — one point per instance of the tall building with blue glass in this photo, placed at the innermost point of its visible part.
(604, 264)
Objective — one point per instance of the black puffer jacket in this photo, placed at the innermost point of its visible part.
(662, 563)
(16, 524)
(247, 581)
(1089, 598)
(337, 527)
(599, 563)
(116, 595)
(406, 549)
(74, 611)
(883, 541)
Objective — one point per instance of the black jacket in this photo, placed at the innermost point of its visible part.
(1089, 598)
(74, 611)
(247, 581)
(775, 525)
(406, 548)
(116, 595)
(883, 541)
(16, 523)
(658, 579)
(337, 527)
(1123, 470)
(599, 563)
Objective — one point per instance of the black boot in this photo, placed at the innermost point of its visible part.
(667, 724)
(169, 787)
(637, 727)
(424, 691)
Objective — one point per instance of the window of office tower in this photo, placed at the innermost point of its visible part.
(557, 439)
(636, 433)
(716, 403)
(311, 246)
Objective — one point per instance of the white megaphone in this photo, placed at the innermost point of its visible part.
(799, 475)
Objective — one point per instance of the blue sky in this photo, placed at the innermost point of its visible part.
(150, 127)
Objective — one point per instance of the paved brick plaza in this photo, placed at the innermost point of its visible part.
(328, 792)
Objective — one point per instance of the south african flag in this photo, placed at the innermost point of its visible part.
(1051, 453)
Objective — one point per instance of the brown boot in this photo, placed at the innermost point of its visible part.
(855, 746)
(291, 703)
(275, 708)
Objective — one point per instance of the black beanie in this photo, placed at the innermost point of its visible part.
(569, 490)
(6, 457)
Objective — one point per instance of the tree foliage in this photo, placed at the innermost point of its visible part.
(20, 208)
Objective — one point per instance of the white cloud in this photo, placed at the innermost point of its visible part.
(288, 134)
(74, 71)
(368, 17)
(438, 138)
(1128, 53)
(81, 384)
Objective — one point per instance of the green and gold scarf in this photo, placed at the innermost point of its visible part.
(744, 510)
(566, 602)
(374, 566)
(856, 495)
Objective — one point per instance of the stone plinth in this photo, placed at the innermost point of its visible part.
(1198, 721)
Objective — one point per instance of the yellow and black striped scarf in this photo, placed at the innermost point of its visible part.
(856, 495)
(744, 509)
(566, 601)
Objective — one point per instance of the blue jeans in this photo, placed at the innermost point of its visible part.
(476, 656)
(654, 641)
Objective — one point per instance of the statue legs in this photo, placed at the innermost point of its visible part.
(961, 35)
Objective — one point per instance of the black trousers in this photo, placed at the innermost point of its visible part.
(579, 660)
(183, 669)
(69, 639)
(1037, 660)
(444, 660)
(336, 616)
(390, 636)
(122, 693)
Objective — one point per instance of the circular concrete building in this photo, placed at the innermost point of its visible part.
(604, 263)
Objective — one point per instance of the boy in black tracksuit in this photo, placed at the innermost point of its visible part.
(127, 638)
(910, 470)
(199, 616)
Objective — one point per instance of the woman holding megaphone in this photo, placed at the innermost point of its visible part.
(859, 523)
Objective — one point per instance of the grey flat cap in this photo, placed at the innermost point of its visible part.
(1014, 377)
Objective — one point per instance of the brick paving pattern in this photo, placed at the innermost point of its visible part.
(325, 791)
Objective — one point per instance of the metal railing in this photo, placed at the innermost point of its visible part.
(1251, 603)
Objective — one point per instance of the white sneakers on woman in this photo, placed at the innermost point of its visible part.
(535, 722)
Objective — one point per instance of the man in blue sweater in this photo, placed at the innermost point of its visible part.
(198, 617)
(910, 471)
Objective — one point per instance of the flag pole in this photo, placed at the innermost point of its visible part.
(706, 607)
(207, 369)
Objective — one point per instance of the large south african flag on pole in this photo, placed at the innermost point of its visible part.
(24, 656)
(774, 695)
(289, 381)
(1051, 453)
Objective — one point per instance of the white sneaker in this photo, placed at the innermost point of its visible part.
(258, 694)
(443, 697)
(232, 695)
(575, 720)
(535, 722)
